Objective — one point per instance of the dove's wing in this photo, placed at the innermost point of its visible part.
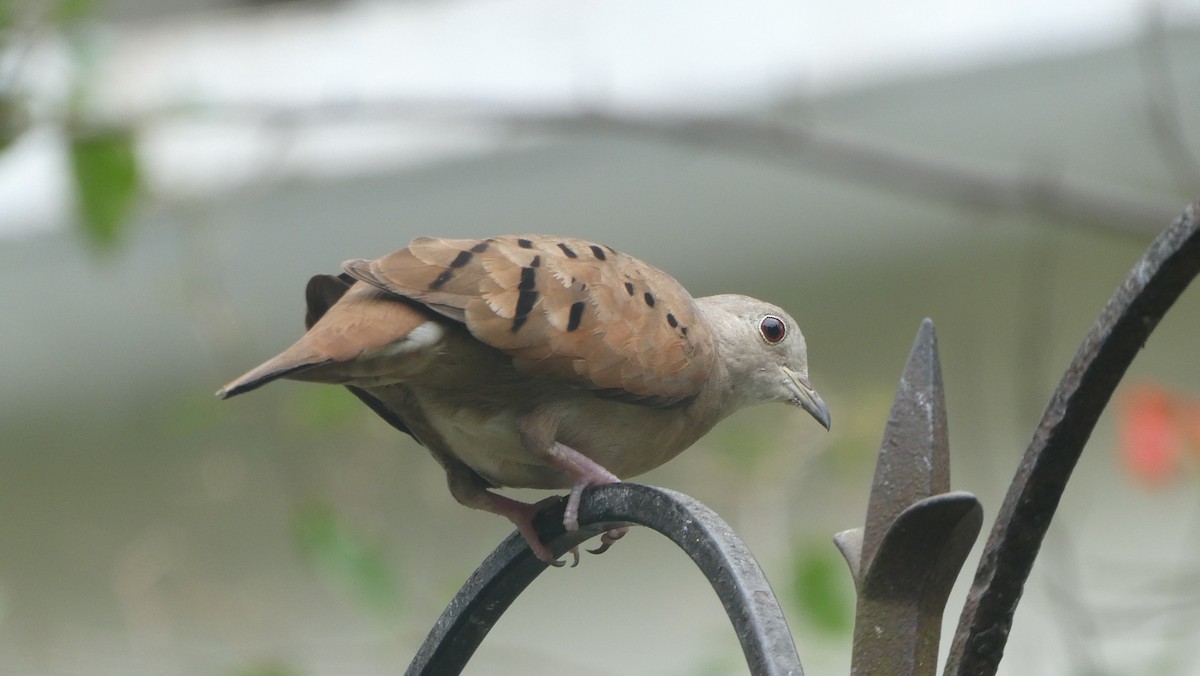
(562, 308)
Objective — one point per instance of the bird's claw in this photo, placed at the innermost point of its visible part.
(608, 538)
(522, 515)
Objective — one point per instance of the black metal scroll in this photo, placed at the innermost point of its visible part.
(709, 541)
(1153, 285)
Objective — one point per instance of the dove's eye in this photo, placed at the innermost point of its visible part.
(772, 329)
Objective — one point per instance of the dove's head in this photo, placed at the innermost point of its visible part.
(763, 352)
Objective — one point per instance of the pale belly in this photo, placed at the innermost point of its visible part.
(625, 439)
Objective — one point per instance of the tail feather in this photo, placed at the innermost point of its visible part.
(274, 369)
(354, 331)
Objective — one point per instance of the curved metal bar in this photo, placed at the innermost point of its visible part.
(1153, 285)
(704, 536)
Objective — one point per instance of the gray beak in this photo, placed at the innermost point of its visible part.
(804, 396)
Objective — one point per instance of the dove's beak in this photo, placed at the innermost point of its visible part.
(804, 396)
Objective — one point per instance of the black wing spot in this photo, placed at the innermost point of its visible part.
(629, 288)
(598, 253)
(649, 298)
(568, 250)
(671, 320)
(576, 316)
(526, 298)
(481, 247)
(441, 280)
(524, 243)
(461, 259)
(528, 279)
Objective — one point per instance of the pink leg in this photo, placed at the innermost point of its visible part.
(521, 514)
(584, 472)
(469, 489)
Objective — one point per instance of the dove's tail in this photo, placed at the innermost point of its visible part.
(355, 332)
(322, 293)
(286, 364)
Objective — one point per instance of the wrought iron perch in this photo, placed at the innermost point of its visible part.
(917, 533)
(709, 541)
(1153, 285)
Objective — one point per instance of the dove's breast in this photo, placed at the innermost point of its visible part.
(627, 439)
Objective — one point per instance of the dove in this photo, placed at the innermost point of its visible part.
(534, 361)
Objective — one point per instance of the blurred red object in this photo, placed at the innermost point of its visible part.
(1153, 424)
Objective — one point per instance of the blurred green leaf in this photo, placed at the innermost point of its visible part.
(744, 441)
(346, 558)
(820, 589)
(322, 407)
(190, 413)
(72, 11)
(106, 178)
(854, 441)
(13, 119)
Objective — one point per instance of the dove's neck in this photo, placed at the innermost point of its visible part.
(732, 382)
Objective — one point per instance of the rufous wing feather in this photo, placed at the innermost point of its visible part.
(561, 307)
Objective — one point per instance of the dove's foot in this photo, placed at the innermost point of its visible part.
(521, 514)
(583, 472)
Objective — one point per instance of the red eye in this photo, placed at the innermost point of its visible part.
(772, 329)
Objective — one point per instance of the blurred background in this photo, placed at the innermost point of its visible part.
(172, 172)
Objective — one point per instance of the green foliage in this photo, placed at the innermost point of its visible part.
(751, 437)
(191, 413)
(344, 557)
(853, 444)
(103, 159)
(820, 589)
(74, 11)
(106, 179)
(321, 407)
(12, 116)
